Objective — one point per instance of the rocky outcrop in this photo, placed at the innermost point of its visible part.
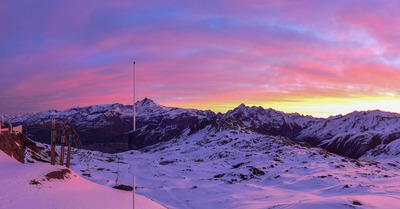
(15, 145)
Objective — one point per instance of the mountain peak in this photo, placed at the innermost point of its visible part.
(241, 108)
(372, 113)
(148, 104)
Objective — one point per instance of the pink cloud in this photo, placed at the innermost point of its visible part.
(194, 53)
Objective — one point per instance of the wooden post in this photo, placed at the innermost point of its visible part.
(10, 129)
(69, 151)
(134, 123)
(63, 140)
(53, 147)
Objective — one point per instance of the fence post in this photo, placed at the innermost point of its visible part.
(69, 151)
(53, 147)
(63, 139)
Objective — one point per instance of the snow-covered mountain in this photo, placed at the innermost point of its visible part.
(353, 134)
(265, 121)
(157, 123)
(107, 127)
(235, 169)
(249, 157)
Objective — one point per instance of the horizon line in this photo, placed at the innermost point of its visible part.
(226, 107)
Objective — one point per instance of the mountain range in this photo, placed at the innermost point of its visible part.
(249, 157)
(108, 128)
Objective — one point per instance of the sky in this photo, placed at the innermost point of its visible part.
(317, 58)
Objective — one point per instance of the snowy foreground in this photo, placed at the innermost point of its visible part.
(224, 169)
(230, 169)
(41, 185)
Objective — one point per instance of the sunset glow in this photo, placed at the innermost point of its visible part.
(318, 58)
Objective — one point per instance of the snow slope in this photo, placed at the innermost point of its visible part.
(353, 134)
(234, 169)
(384, 152)
(32, 186)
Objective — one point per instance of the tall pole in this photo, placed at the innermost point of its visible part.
(63, 141)
(134, 124)
(53, 141)
(69, 151)
(134, 95)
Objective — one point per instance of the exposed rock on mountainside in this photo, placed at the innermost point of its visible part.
(12, 145)
(264, 121)
(17, 146)
(159, 124)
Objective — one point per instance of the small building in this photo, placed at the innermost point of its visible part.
(3, 128)
(10, 128)
(17, 129)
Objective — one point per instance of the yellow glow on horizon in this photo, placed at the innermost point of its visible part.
(323, 107)
(335, 106)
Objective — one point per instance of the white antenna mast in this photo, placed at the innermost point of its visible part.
(134, 96)
(134, 123)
